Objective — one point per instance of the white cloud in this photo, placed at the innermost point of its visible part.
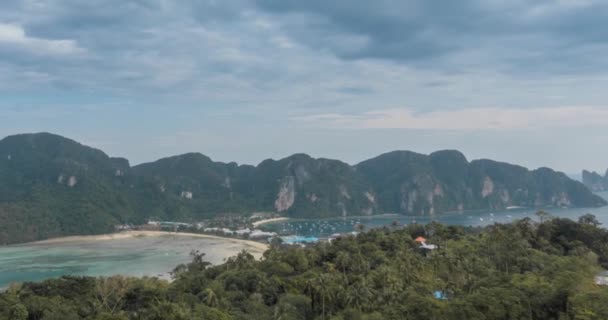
(465, 119)
(14, 35)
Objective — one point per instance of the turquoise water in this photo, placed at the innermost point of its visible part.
(299, 239)
(327, 227)
(141, 256)
(157, 256)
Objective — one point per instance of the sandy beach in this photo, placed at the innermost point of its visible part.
(128, 253)
(261, 222)
(255, 246)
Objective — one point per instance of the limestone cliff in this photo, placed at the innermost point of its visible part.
(51, 186)
(594, 181)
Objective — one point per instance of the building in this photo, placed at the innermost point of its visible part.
(424, 245)
(242, 232)
(154, 223)
(255, 234)
(440, 295)
(602, 278)
(219, 230)
(122, 227)
(299, 239)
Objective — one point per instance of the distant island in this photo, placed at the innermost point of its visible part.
(52, 186)
(594, 181)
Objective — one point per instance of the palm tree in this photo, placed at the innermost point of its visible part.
(310, 287)
(324, 287)
(211, 299)
(320, 290)
(342, 262)
(542, 215)
(284, 312)
(360, 227)
(391, 284)
(359, 294)
(589, 219)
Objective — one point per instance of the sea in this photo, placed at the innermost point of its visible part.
(157, 256)
(154, 256)
(323, 228)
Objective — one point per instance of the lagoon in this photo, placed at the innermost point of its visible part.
(157, 255)
(131, 256)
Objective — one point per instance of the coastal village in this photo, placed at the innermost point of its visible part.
(240, 228)
(228, 226)
(250, 228)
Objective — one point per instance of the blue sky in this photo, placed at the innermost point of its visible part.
(245, 80)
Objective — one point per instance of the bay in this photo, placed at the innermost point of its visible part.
(158, 255)
(322, 228)
(137, 256)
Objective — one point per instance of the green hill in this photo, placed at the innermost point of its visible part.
(411, 183)
(53, 186)
(594, 181)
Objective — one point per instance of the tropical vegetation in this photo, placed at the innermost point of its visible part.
(51, 186)
(522, 270)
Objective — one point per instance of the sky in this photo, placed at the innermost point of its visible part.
(245, 80)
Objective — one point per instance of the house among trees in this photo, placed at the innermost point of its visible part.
(428, 246)
(424, 245)
(602, 278)
(420, 240)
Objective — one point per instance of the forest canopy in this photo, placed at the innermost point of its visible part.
(522, 270)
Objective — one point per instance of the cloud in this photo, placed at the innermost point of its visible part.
(511, 36)
(305, 50)
(466, 119)
(298, 66)
(15, 36)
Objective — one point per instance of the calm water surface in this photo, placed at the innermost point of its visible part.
(140, 256)
(156, 256)
(327, 227)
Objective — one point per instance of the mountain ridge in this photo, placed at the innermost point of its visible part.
(67, 188)
(594, 181)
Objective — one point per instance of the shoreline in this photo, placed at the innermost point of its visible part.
(258, 246)
(271, 220)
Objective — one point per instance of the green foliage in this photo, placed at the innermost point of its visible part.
(523, 270)
(412, 183)
(52, 186)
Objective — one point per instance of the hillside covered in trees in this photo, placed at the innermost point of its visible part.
(53, 186)
(523, 270)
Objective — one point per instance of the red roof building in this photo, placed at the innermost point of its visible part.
(420, 240)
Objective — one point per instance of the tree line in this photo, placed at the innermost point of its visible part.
(521, 270)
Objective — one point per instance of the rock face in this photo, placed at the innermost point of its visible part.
(412, 183)
(488, 187)
(286, 196)
(594, 181)
(51, 186)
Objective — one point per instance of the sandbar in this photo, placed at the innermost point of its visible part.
(257, 247)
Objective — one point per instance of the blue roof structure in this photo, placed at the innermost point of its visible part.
(299, 239)
(440, 295)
